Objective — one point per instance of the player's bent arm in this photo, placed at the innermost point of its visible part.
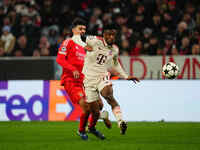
(62, 62)
(117, 67)
(88, 41)
(81, 40)
(63, 53)
(122, 73)
(91, 40)
(88, 48)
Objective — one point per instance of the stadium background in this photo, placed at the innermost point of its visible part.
(152, 32)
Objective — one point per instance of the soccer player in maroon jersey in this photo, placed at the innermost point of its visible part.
(71, 57)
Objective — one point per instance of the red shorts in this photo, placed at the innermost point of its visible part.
(74, 89)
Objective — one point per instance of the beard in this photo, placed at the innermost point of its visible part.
(83, 37)
(110, 42)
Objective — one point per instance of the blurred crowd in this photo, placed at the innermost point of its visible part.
(147, 27)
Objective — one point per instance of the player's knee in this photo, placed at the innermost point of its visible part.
(96, 113)
(86, 109)
(108, 96)
(100, 107)
(100, 104)
(84, 106)
(107, 91)
(87, 113)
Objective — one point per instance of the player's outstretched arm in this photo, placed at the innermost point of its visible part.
(90, 41)
(117, 67)
(122, 73)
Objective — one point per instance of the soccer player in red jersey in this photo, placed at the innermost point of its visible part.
(71, 57)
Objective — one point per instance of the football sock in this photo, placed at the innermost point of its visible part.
(117, 113)
(83, 122)
(93, 121)
(101, 116)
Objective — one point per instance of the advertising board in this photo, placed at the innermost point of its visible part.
(149, 100)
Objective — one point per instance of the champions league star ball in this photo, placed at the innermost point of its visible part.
(170, 70)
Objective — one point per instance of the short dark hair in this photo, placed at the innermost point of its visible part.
(110, 27)
(78, 21)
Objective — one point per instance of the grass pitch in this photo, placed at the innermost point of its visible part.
(62, 136)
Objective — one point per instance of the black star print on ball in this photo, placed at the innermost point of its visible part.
(174, 68)
(166, 71)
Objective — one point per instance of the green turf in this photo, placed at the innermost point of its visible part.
(62, 136)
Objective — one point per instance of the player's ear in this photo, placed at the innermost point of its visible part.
(72, 29)
(104, 34)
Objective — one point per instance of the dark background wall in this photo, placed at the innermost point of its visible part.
(24, 69)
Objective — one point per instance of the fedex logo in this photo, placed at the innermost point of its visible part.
(60, 106)
(35, 100)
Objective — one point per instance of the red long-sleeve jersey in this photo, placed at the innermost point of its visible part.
(71, 57)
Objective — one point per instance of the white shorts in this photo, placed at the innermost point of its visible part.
(93, 87)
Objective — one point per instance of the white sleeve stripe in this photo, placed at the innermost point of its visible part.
(66, 42)
(60, 52)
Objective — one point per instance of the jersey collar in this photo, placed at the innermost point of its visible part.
(77, 40)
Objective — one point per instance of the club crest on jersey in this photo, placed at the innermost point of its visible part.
(110, 52)
(81, 94)
(63, 49)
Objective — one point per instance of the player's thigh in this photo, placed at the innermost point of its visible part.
(103, 84)
(78, 94)
(100, 103)
(106, 90)
(75, 92)
(68, 86)
(92, 94)
(94, 108)
(84, 105)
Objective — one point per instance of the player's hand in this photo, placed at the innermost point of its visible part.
(134, 79)
(88, 48)
(76, 74)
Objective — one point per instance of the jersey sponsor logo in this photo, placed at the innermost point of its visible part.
(80, 56)
(101, 59)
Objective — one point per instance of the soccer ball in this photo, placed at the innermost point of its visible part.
(170, 70)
